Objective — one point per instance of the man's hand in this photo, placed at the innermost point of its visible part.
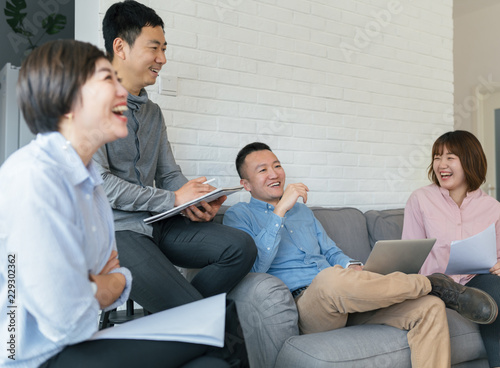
(208, 211)
(192, 190)
(292, 193)
(495, 270)
(356, 267)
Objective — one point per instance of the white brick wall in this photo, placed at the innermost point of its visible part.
(350, 94)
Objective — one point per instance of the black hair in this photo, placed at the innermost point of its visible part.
(245, 151)
(126, 20)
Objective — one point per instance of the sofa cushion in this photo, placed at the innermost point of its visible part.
(347, 228)
(355, 346)
(466, 342)
(268, 316)
(384, 225)
(377, 346)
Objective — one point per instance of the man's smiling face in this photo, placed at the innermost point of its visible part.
(264, 177)
(144, 59)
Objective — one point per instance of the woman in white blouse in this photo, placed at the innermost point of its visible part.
(58, 259)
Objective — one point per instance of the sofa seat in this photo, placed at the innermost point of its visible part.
(354, 347)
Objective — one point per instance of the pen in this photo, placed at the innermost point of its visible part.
(209, 181)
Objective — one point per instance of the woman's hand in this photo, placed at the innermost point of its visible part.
(111, 264)
(495, 270)
(109, 286)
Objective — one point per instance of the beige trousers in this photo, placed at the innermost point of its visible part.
(397, 300)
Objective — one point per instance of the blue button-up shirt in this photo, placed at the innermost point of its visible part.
(56, 227)
(294, 248)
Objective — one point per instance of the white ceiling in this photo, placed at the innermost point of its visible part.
(461, 7)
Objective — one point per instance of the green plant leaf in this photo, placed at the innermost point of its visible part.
(13, 10)
(54, 23)
(16, 5)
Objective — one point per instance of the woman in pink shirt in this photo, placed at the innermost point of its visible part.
(454, 208)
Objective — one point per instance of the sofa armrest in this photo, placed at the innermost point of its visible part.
(268, 316)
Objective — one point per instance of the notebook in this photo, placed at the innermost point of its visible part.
(213, 195)
(406, 256)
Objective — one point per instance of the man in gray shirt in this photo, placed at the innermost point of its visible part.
(141, 177)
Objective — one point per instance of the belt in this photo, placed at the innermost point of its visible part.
(298, 291)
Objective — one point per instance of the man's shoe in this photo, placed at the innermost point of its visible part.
(473, 304)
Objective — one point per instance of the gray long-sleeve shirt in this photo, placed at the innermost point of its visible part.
(139, 172)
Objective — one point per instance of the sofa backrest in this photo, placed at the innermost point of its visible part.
(384, 225)
(354, 232)
(346, 226)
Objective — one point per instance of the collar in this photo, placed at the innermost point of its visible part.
(469, 196)
(59, 150)
(135, 102)
(261, 205)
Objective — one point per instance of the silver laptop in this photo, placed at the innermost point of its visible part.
(406, 256)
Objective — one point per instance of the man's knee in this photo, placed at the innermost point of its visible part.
(240, 246)
(432, 307)
(249, 248)
(329, 280)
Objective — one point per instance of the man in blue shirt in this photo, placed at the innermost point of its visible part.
(329, 287)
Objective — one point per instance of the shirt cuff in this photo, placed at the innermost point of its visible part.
(126, 291)
(93, 285)
(277, 223)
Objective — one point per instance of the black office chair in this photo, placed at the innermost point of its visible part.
(113, 317)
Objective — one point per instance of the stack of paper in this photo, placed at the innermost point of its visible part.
(473, 255)
(200, 322)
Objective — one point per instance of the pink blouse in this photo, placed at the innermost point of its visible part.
(431, 213)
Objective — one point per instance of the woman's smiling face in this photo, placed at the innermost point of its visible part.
(449, 171)
(99, 110)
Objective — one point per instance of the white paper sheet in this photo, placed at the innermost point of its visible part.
(473, 255)
(200, 322)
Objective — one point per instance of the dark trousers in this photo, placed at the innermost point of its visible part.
(225, 255)
(134, 353)
(490, 333)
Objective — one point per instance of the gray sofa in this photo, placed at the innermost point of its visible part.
(269, 317)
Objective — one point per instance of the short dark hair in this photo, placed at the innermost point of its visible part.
(245, 151)
(468, 149)
(50, 81)
(126, 20)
